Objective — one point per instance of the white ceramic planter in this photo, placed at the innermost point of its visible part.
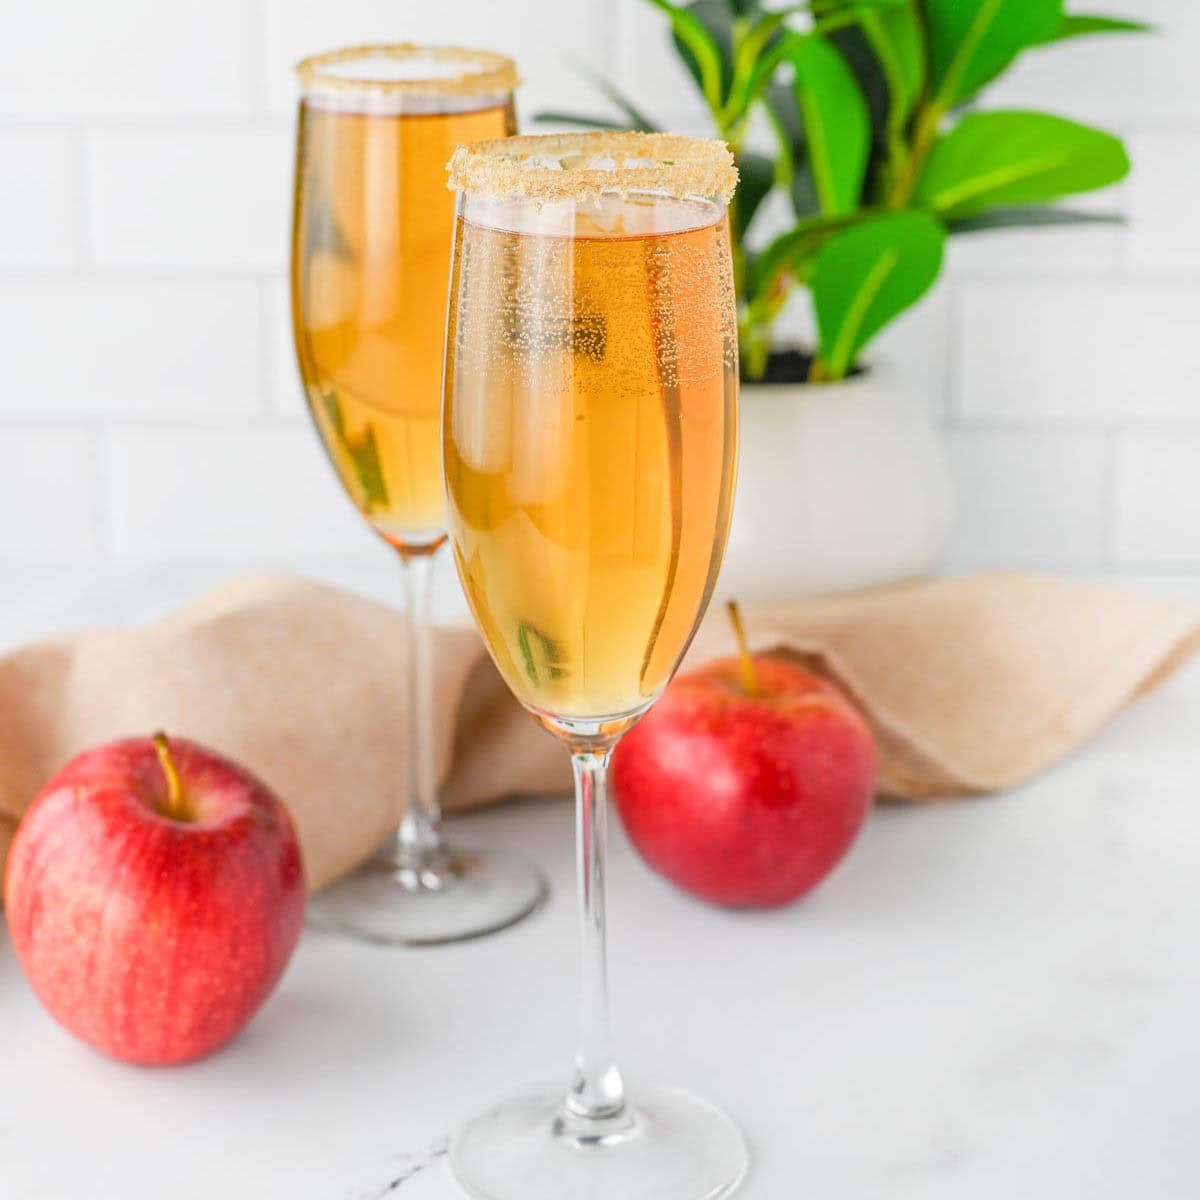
(840, 486)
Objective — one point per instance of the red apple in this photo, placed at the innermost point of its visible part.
(747, 782)
(154, 894)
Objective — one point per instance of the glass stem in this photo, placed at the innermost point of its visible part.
(597, 1091)
(420, 835)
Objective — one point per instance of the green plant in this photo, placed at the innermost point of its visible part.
(876, 147)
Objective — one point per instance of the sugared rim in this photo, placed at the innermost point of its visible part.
(482, 72)
(577, 166)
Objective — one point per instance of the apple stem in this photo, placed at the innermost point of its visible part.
(749, 678)
(174, 787)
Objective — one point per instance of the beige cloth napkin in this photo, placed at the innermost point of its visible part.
(970, 685)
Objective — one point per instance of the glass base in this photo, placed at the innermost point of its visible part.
(667, 1145)
(393, 901)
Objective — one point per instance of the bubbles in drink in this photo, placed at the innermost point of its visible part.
(374, 224)
(590, 438)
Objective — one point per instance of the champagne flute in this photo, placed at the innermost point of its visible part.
(589, 435)
(370, 261)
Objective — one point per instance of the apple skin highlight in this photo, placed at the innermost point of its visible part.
(746, 790)
(153, 926)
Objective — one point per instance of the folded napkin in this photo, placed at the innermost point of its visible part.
(969, 684)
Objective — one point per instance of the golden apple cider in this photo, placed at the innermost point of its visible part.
(590, 443)
(371, 258)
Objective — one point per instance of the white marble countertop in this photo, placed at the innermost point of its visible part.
(988, 1000)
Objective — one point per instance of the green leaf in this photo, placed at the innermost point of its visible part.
(637, 119)
(973, 41)
(830, 20)
(866, 276)
(703, 54)
(541, 655)
(760, 33)
(993, 159)
(790, 251)
(1076, 25)
(893, 78)
(360, 454)
(756, 65)
(756, 177)
(868, 72)
(549, 116)
(789, 133)
(823, 9)
(755, 60)
(896, 38)
(763, 73)
(837, 126)
(322, 233)
(793, 169)
(1031, 218)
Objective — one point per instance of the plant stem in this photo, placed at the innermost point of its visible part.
(925, 128)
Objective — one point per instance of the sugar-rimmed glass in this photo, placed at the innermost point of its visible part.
(370, 262)
(589, 443)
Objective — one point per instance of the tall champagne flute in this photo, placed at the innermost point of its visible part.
(370, 262)
(589, 436)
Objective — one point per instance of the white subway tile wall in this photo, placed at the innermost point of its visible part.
(47, 484)
(151, 413)
(208, 200)
(1107, 79)
(1165, 191)
(548, 38)
(37, 189)
(252, 494)
(1158, 499)
(128, 60)
(105, 349)
(1120, 352)
(1033, 497)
